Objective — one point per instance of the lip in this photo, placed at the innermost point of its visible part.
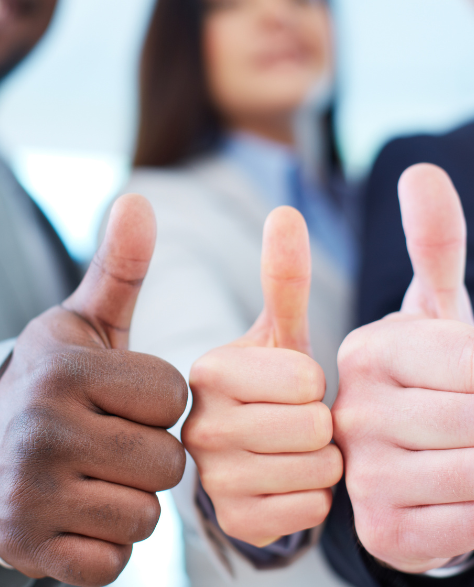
(275, 58)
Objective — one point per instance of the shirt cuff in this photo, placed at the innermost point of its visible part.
(284, 548)
(6, 349)
(456, 566)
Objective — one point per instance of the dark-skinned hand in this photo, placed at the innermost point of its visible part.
(83, 440)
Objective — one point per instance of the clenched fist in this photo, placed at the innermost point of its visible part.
(83, 440)
(404, 417)
(258, 431)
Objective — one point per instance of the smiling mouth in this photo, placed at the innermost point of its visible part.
(288, 58)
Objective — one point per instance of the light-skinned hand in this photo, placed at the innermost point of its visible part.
(258, 431)
(83, 440)
(404, 417)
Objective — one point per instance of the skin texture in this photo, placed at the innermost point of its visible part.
(22, 24)
(258, 431)
(83, 440)
(262, 59)
(404, 415)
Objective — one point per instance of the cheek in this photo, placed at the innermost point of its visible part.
(317, 35)
(224, 54)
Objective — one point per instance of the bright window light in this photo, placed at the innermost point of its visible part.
(73, 189)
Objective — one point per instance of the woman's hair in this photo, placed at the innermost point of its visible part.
(178, 119)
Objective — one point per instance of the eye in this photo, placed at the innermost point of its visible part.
(211, 6)
(308, 2)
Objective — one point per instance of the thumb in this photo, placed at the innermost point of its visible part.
(107, 295)
(286, 282)
(435, 230)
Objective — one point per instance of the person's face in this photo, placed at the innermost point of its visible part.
(264, 56)
(22, 23)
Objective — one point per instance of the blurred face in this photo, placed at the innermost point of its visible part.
(22, 23)
(264, 56)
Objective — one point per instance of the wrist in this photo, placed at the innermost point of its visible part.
(454, 567)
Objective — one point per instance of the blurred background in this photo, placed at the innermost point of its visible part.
(405, 66)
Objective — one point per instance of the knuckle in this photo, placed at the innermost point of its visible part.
(233, 521)
(217, 481)
(177, 463)
(465, 365)
(147, 520)
(349, 349)
(62, 373)
(321, 507)
(310, 380)
(205, 373)
(74, 569)
(113, 563)
(362, 483)
(199, 434)
(373, 480)
(18, 541)
(321, 422)
(335, 464)
(38, 434)
(381, 531)
(348, 420)
(180, 395)
(356, 354)
(174, 390)
(239, 524)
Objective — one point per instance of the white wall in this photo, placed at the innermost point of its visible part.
(407, 66)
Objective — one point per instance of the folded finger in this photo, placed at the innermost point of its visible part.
(78, 560)
(435, 420)
(427, 354)
(125, 453)
(255, 374)
(276, 428)
(135, 386)
(431, 478)
(256, 520)
(108, 512)
(257, 475)
(433, 532)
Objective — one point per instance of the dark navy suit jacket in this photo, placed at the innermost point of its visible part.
(385, 276)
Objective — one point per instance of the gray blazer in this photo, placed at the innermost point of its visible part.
(35, 269)
(35, 274)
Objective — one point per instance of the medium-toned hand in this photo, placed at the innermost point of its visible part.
(404, 417)
(258, 431)
(83, 445)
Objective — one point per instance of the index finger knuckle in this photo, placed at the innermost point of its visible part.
(310, 380)
(355, 355)
(464, 366)
(205, 374)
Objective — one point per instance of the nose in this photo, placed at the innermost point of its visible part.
(276, 13)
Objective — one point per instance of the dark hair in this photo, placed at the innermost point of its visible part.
(178, 119)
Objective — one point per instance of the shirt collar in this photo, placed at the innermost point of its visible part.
(268, 164)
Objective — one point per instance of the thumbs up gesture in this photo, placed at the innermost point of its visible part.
(258, 431)
(84, 445)
(404, 415)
